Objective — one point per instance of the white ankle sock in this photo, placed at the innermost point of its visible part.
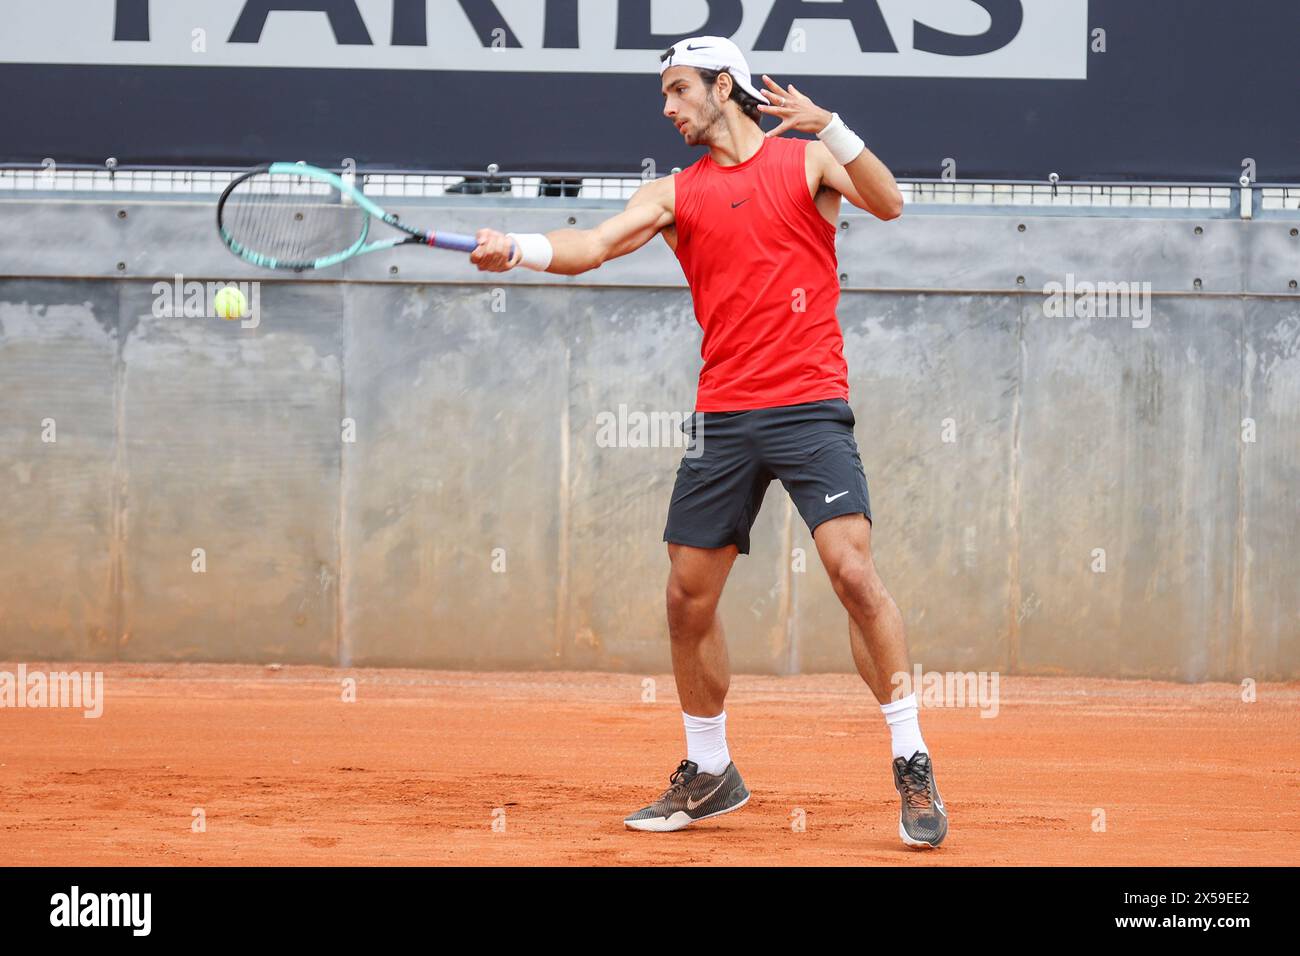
(904, 730)
(706, 742)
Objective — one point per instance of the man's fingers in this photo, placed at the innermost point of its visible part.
(493, 252)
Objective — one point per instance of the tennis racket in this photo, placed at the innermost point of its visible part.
(298, 217)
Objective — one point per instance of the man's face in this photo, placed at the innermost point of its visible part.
(690, 105)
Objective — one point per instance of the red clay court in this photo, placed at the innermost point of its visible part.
(417, 769)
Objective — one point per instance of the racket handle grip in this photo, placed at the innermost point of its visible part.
(453, 240)
(458, 241)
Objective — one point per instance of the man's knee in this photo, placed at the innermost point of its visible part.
(695, 584)
(689, 601)
(855, 580)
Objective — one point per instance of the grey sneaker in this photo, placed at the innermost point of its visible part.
(693, 796)
(922, 821)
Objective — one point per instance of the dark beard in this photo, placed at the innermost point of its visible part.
(712, 121)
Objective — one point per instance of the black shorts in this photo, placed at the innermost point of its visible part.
(733, 456)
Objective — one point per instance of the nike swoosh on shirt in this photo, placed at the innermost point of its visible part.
(692, 804)
(745, 200)
(830, 498)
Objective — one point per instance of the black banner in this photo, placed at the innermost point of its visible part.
(1181, 90)
(968, 904)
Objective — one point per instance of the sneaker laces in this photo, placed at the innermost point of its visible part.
(916, 784)
(679, 778)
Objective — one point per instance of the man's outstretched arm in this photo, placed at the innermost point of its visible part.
(573, 251)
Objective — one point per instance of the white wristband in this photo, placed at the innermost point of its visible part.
(534, 248)
(844, 144)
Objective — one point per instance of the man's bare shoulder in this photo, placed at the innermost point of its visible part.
(660, 192)
(818, 159)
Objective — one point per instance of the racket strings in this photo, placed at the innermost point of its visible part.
(290, 218)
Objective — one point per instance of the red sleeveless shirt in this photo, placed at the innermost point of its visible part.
(760, 262)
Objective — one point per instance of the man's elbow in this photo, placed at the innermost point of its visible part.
(892, 207)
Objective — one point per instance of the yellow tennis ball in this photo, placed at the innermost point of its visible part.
(230, 303)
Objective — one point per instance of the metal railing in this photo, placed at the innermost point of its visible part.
(209, 181)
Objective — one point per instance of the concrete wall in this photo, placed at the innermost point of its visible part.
(476, 407)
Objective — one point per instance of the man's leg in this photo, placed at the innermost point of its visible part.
(880, 653)
(700, 662)
(719, 489)
(876, 634)
(706, 783)
(875, 624)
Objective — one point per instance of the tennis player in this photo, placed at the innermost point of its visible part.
(752, 223)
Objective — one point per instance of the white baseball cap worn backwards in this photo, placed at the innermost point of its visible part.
(712, 53)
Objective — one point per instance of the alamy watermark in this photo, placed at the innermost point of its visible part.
(655, 429)
(1075, 299)
(79, 690)
(949, 689)
(208, 300)
(76, 908)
